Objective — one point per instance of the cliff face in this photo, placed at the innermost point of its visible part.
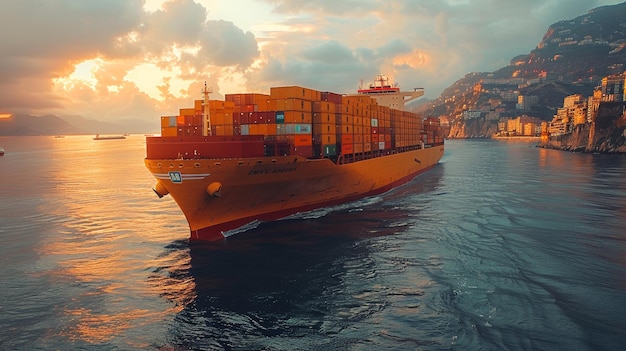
(606, 135)
(477, 128)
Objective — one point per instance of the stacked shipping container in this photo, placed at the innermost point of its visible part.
(301, 121)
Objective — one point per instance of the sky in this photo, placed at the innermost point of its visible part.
(117, 60)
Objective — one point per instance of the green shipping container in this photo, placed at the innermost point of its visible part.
(280, 117)
(329, 149)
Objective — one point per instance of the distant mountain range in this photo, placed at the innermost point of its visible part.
(36, 125)
(24, 124)
(572, 58)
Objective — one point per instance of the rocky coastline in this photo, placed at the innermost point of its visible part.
(607, 134)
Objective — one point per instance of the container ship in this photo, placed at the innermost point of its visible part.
(252, 157)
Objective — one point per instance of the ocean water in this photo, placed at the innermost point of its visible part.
(502, 246)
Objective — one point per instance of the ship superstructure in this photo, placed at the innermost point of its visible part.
(387, 93)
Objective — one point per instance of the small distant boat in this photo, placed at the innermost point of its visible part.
(108, 137)
(1, 151)
(59, 136)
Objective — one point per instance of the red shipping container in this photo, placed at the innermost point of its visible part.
(347, 138)
(227, 146)
(303, 140)
(331, 97)
(269, 117)
(304, 151)
(347, 149)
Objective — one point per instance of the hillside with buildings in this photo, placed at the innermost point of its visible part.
(595, 123)
(573, 58)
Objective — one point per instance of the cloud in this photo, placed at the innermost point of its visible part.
(323, 7)
(224, 44)
(331, 52)
(49, 38)
(146, 61)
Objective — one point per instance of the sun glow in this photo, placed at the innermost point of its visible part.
(413, 59)
(84, 73)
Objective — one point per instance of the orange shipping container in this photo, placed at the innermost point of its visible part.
(358, 148)
(347, 149)
(324, 117)
(347, 138)
(324, 139)
(222, 129)
(169, 131)
(302, 139)
(277, 104)
(260, 129)
(168, 121)
(324, 128)
(219, 119)
(323, 106)
(187, 111)
(294, 92)
(347, 109)
(271, 129)
(344, 119)
(297, 117)
(294, 104)
(262, 105)
(345, 129)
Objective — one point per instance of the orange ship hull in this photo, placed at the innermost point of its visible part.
(218, 196)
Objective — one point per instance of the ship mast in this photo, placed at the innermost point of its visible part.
(206, 115)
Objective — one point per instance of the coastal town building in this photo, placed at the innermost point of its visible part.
(526, 102)
(578, 110)
(471, 114)
(613, 88)
(593, 103)
(519, 126)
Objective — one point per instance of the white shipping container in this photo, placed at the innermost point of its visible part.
(245, 129)
(298, 128)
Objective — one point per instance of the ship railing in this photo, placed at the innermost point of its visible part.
(361, 156)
